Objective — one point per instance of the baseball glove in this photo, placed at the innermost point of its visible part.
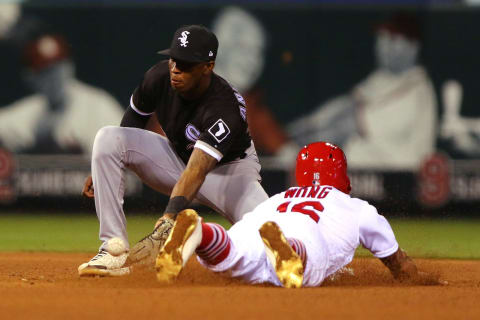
(145, 251)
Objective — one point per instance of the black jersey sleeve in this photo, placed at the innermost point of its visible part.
(221, 128)
(144, 97)
(133, 119)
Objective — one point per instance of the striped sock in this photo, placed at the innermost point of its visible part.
(299, 248)
(215, 245)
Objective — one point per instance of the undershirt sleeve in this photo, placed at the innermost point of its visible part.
(376, 234)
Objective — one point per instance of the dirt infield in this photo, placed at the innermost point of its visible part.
(46, 286)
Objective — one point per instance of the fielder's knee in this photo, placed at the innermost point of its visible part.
(109, 140)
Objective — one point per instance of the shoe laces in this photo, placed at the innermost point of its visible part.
(99, 255)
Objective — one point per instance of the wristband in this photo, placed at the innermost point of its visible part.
(176, 204)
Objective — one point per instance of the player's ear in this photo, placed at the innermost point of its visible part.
(209, 66)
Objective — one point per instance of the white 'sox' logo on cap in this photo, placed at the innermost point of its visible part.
(183, 38)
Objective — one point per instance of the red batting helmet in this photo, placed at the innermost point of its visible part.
(322, 163)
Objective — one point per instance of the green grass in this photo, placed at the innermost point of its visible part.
(442, 238)
(458, 239)
(73, 233)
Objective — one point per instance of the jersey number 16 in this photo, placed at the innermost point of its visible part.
(306, 207)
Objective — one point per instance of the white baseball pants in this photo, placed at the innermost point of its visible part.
(248, 260)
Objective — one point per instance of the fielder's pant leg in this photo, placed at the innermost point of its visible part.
(108, 180)
(233, 189)
(116, 149)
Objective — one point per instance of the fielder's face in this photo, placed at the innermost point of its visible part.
(186, 76)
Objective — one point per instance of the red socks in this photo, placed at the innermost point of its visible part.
(215, 245)
(299, 248)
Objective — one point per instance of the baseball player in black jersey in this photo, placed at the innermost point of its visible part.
(207, 153)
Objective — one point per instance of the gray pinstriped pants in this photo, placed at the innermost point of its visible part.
(232, 189)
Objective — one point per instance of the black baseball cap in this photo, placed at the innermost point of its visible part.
(193, 43)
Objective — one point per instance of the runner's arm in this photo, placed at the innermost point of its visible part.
(400, 265)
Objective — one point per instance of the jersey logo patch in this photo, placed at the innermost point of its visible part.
(219, 130)
(192, 133)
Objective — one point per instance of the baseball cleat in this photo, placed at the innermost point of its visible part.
(146, 250)
(104, 264)
(184, 238)
(286, 262)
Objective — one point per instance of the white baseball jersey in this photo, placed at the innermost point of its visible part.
(329, 222)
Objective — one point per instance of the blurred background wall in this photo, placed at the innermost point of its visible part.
(291, 59)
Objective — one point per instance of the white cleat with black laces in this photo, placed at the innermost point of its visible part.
(143, 253)
(105, 264)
